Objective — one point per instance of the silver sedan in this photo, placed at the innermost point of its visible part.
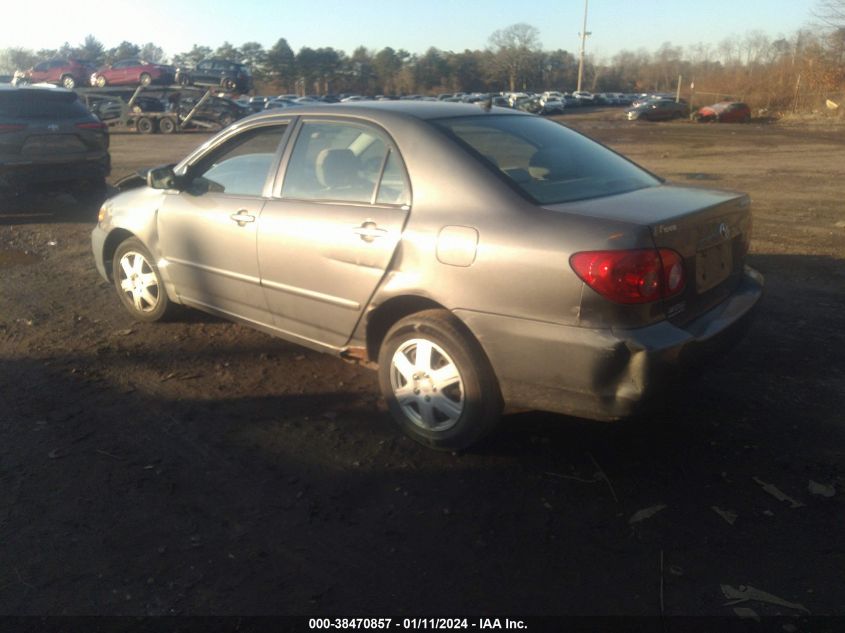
(481, 258)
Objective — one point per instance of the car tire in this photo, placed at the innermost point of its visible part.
(145, 125)
(167, 125)
(138, 282)
(100, 81)
(448, 398)
(228, 84)
(68, 82)
(183, 79)
(226, 120)
(145, 79)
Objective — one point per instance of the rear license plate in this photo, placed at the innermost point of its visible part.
(53, 144)
(712, 266)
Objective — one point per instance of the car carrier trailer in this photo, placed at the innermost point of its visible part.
(132, 116)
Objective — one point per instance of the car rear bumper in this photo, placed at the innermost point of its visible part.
(605, 374)
(47, 175)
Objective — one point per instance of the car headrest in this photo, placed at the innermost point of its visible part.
(551, 163)
(337, 168)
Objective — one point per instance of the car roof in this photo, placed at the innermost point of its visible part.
(416, 109)
(32, 87)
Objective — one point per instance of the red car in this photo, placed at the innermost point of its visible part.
(68, 73)
(133, 72)
(725, 112)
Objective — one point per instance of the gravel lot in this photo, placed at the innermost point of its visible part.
(199, 467)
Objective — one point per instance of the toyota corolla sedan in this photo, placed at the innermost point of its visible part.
(480, 258)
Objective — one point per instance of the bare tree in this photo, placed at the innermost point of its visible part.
(515, 49)
(831, 12)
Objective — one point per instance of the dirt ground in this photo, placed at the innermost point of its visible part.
(199, 467)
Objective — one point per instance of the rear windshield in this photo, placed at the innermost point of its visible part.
(545, 160)
(41, 104)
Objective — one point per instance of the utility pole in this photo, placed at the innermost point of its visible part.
(584, 34)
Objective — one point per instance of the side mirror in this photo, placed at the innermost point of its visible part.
(162, 177)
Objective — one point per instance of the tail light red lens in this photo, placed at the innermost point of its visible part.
(746, 237)
(93, 125)
(631, 276)
(9, 128)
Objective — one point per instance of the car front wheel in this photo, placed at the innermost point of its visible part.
(437, 381)
(145, 79)
(138, 282)
(68, 82)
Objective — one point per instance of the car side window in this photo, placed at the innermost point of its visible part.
(344, 162)
(40, 68)
(240, 167)
(393, 188)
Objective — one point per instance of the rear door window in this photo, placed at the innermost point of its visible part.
(345, 162)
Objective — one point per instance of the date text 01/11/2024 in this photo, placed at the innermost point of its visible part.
(414, 623)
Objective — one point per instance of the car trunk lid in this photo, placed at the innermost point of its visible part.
(709, 229)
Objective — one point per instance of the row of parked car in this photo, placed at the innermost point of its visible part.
(72, 73)
(662, 108)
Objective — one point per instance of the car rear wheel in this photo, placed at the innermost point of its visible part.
(226, 120)
(68, 82)
(437, 381)
(100, 81)
(145, 79)
(228, 83)
(139, 283)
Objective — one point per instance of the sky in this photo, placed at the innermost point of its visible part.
(413, 25)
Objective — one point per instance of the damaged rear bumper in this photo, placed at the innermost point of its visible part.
(605, 374)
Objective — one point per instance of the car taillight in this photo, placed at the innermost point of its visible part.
(631, 276)
(6, 128)
(745, 240)
(92, 125)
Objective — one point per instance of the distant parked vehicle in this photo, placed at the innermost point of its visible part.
(280, 102)
(218, 110)
(107, 108)
(552, 105)
(68, 73)
(256, 104)
(51, 142)
(725, 112)
(133, 72)
(586, 98)
(658, 110)
(230, 76)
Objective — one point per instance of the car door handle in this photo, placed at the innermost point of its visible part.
(369, 231)
(242, 216)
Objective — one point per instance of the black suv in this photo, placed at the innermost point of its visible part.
(231, 76)
(50, 141)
